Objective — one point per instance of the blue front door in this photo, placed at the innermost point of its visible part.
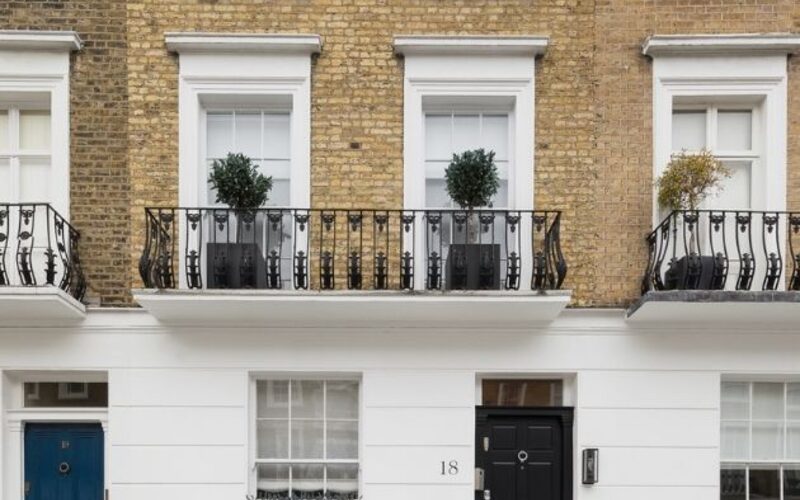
(63, 462)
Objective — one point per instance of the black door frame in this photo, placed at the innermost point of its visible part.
(564, 413)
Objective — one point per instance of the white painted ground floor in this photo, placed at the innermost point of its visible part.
(388, 414)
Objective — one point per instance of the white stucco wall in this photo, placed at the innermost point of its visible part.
(178, 424)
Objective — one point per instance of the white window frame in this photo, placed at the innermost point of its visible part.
(479, 110)
(753, 155)
(746, 464)
(483, 70)
(38, 62)
(301, 376)
(254, 108)
(730, 68)
(15, 155)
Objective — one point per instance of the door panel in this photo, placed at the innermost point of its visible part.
(529, 454)
(63, 462)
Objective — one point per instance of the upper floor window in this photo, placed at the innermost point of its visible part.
(760, 441)
(731, 132)
(307, 439)
(260, 134)
(25, 151)
(456, 131)
(34, 117)
(726, 94)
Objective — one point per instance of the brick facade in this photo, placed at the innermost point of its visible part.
(593, 111)
(99, 196)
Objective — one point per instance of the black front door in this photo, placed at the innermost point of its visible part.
(524, 453)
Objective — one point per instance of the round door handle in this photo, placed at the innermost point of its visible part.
(63, 468)
(522, 456)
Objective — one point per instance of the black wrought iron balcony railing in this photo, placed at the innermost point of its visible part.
(724, 250)
(347, 249)
(38, 247)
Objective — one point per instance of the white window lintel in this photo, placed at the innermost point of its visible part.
(239, 42)
(716, 45)
(40, 40)
(502, 45)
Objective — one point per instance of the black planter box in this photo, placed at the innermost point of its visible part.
(225, 267)
(676, 277)
(473, 266)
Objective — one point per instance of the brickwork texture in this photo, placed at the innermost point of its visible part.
(593, 145)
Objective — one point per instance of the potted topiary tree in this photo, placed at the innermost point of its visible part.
(687, 181)
(472, 181)
(238, 263)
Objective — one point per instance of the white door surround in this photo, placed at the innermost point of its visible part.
(268, 69)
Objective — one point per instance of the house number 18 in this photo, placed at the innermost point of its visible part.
(449, 468)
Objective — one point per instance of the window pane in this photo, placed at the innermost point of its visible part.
(273, 481)
(688, 130)
(343, 481)
(734, 130)
(273, 438)
(273, 398)
(280, 171)
(4, 143)
(768, 401)
(764, 484)
(735, 401)
(307, 399)
(791, 483)
(5, 180)
(793, 440)
(307, 482)
(495, 135)
(65, 394)
(34, 130)
(466, 133)
(277, 144)
(219, 135)
(522, 392)
(767, 440)
(342, 440)
(436, 194)
(248, 134)
(500, 199)
(437, 137)
(306, 439)
(733, 485)
(734, 441)
(34, 176)
(342, 399)
(735, 192)
(793, 401)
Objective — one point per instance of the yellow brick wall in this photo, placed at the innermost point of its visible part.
(357, 96)
(593, 145)
(623, 97)
(99, 191)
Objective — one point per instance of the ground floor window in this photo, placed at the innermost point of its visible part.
(760, 447)
(307, 439)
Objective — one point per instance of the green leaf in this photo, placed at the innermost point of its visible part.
(238, 182)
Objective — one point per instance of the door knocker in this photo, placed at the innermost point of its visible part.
(63, 468)
(522, 456)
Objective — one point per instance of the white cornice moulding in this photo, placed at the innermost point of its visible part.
(243, 42)
(40, 40)
(731, 44)
(493, 45)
